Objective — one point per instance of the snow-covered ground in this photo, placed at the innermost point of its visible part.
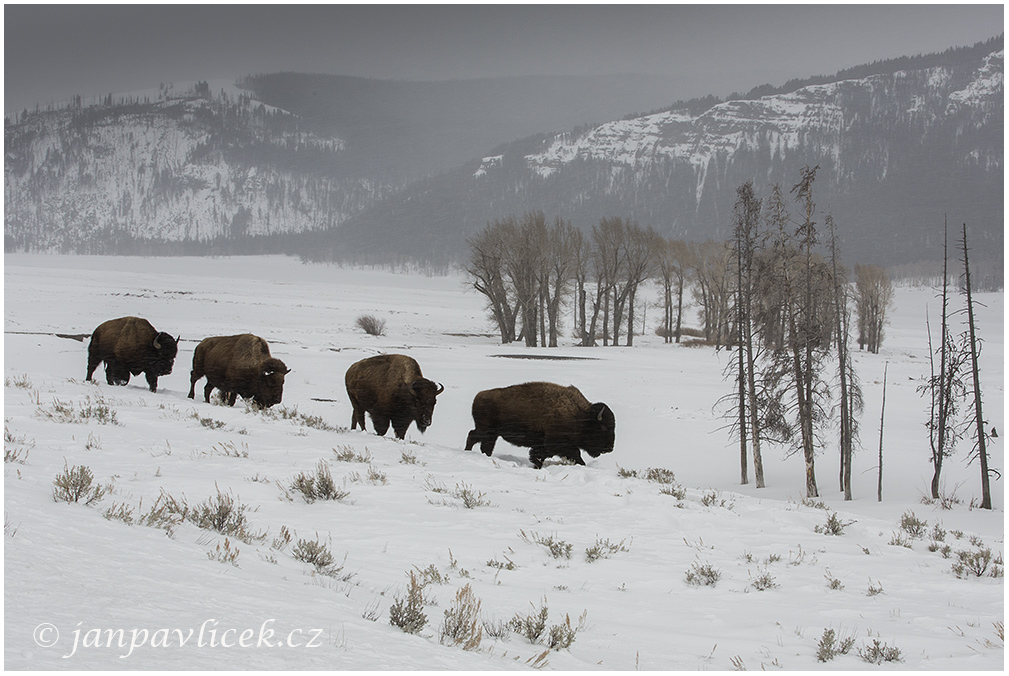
(108, 594)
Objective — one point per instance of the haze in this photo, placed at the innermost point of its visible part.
(55, 52)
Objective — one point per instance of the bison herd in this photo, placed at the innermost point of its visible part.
(548, 419)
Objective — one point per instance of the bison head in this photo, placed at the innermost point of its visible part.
(271, 383)
(165, 349)
(423, 393)
(600, 430)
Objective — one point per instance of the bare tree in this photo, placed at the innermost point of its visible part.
(974, 348)
(851, 392)
(487, 268)
(639, 265)
(563, 242)
(746, 221)
(874, 297)
(945, 388)
(673, 263)
(793, 372)
(879, 467)
(712, 284)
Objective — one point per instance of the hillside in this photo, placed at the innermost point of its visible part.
(334, 168)
(897, 150)
(204, 169)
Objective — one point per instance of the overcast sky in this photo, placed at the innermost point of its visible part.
(53, 52)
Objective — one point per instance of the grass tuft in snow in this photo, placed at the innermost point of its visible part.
(407, 611)
(224, 554)
(461, 623)
(831, 645)
(371, 325)
(913, 526)
(559, 549)
(703, 575)
(976, 563)
(878, 652)
(96, 409)
(291, 413)
(20, 381)
(318, 485)
(714, 499)
(224, 514)
(945, 501)
(349, 454)
(833, 583)
(120, 512)
(75, 483)
(16, 448)
(833, 525)
(533, 626)
(764, 581)
(603, 549)
(317, 554)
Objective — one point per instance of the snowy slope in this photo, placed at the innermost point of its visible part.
(818, 119)
(69, 567)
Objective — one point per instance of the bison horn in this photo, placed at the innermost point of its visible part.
(601, 411)
(157, 343)
(441, 388)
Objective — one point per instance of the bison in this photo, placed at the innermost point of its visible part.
(131, 346)
(391, 388)
(548, 419)
(238, 365)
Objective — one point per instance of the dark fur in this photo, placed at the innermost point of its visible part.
(127, 346)
(238, 365)
(546, 418)
(391, 388)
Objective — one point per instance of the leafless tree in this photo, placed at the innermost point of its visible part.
(974, 349)
(945, 388)
(712, 285)
(489, 250)
(874, 298)
(851, 392)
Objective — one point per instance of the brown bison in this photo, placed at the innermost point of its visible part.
(546, 418)
(131, 346)
(391, 388)
(238, 365)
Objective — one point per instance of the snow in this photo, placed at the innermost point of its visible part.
(68, 566)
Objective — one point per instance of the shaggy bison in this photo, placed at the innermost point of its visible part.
(391, 388)
(238, 365)
(546, 418)
(131, 346)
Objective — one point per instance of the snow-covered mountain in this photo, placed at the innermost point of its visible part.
(898, 145)
(341, 168)
(188, 167)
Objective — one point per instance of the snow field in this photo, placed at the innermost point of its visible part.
(71, 568)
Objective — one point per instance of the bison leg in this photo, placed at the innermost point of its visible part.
(93, 361)
(192, 384)
(537, 454)
(400, 427)
(486, 439)
(152, 381)
(232, 397)
(357, 417)
(381, 424)
(207, 389)
(116, 374)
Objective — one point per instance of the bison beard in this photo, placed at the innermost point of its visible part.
(391, 389)
(238, 365)
(131, 346)
(548, 419)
